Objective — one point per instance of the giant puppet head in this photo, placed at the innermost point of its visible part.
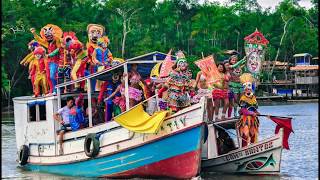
(75, 47)
(103, 42)
(50, 31)
(247, 82)
(68, 38)
(39, 52)
(95, 31)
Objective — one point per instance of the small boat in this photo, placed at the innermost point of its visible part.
(263, 157)
(173, 152)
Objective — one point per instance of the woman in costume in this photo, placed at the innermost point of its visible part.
(220, 92)
(203, 90)
(51, 37)
(38, 68)
(234, 83)
(248, 124)
(178, 84)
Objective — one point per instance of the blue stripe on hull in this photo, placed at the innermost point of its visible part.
(149, 153)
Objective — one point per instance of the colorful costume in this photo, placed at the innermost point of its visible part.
(107, 88)
(80, 59)
(51, 39)
(30, 59)
(95, 31)
(101, 57)
(114, 105)
(76, 117)
(248, 124)
(179, 82)
(65, 64)
(38, 68)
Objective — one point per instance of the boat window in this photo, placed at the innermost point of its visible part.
(32, 114)
(42, 111)
(36, 111)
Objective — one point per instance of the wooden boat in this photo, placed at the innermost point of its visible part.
(263, 157)
(174, 151)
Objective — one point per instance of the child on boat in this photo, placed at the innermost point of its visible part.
(76, 115)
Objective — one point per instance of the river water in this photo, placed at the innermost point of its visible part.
(300, 162)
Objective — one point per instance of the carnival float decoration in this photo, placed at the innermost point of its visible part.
(255, 48)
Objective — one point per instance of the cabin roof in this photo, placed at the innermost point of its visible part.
(149, 57)
(302, 55)
(304, 67)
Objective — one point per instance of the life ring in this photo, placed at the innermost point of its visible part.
(91, 145)
(23, 155)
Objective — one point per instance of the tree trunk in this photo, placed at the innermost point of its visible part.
(286, 23)
(124, 38)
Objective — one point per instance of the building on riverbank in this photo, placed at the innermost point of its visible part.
(293, 80)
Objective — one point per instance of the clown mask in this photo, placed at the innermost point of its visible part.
(95, 32)
(182, 64)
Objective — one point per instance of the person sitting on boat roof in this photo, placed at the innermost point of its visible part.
(248, 124)
(62, 116)
(76, 116)
(224, 142)
(38, 68)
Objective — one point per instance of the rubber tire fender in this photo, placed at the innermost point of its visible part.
(23, 155)
(91, 139)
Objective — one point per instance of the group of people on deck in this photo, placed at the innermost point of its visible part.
(57, 57)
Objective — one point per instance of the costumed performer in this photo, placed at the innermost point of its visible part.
(95, 31)
(38, 68)
(179, 84)
(220, 92)
(248, 124)
(80, 60)
(51, 39)
(102, 57)
(29, 59)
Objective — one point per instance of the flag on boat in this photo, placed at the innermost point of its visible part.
(209, 69)
(285, 123)
(166, 65)
(137, 120)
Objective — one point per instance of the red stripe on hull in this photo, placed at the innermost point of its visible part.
(182, 166)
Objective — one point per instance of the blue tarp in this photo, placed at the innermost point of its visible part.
(33, 103)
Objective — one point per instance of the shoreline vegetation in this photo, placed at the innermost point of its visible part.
(196, 28)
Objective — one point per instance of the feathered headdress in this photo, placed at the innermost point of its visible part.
(247, 81)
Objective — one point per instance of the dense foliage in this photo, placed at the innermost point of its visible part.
(207, 28)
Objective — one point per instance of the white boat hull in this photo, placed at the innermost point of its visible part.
(263, 157)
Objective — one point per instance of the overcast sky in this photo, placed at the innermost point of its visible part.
(270, 3)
